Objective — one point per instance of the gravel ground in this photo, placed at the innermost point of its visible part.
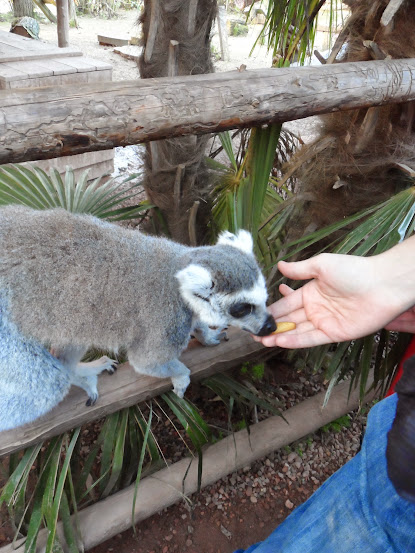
(246, 506)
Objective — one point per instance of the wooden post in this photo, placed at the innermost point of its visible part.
(223, 34)
(191, 25)
(152, 32)
(62, 12)
(172, 65)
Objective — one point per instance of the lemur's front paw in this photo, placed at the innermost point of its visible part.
(210, 336)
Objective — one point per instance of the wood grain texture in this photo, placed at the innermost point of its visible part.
(126, 388)
(56, 121)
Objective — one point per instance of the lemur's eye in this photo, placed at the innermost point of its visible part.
(240, 310)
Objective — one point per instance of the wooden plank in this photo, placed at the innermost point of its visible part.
(58, 66)
(17, 48)
(31, 68)
(126, 388)
(51, 122)
(9, 73)
(79, 65)
(87, 64)
(98, 64)
(113, 40)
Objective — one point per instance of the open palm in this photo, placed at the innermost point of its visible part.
(346, 298)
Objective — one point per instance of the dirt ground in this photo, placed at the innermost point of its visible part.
(245, 507)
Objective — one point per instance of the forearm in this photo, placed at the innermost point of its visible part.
(395, 275)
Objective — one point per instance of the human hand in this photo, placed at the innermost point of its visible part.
(347, 298)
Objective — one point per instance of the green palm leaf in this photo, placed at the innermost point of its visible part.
(34, 188)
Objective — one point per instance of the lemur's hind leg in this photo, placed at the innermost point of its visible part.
(97, 366)
(174, 369)
(84, 375)
(69, 356)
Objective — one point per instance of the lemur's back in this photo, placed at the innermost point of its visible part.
(73, 276)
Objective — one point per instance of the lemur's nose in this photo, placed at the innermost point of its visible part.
(268, 327)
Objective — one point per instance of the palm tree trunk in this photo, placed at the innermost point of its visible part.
(177, 42)
(369, 152)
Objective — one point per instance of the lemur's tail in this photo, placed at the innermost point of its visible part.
(32, 381)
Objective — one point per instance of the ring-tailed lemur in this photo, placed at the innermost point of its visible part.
(74, 281)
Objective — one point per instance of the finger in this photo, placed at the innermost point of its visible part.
(290, 340)
(299, 270)
(269, 341)
(285, 290)
(298, 317)
(288, 304)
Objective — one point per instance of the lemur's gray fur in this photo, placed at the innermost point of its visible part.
(74, 282)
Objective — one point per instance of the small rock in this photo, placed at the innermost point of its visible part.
(289, 504)
(225, 532)
(292, 456)
(189, 543)
(253, 499)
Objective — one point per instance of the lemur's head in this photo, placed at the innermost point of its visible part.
(223, 285)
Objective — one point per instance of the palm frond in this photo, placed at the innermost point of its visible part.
(34, 188)
(290, 28)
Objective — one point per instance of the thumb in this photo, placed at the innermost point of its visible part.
(299, 270)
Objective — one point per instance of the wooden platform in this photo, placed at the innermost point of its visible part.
(18, 48)
(29, 63)
(126, 388)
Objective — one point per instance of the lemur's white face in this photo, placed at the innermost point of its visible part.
(244, 308)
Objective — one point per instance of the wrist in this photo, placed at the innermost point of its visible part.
(394, 270)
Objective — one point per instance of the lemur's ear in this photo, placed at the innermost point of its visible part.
(243, 240)
(197, 280)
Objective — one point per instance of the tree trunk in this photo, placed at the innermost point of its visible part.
(38, 124)
(22, 8)
(177, 42)
(371, 150)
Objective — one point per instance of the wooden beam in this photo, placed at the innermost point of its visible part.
(43, 123)
(126, 388)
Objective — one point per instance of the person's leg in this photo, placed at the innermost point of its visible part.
(355, 510)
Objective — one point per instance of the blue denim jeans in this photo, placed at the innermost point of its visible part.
(357, 510)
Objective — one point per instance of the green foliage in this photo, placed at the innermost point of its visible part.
(337, 425)
(246, 195)
(239, 29)
(236, 395)
(255, 371)
(290, 28)
(240, 425)
(36, 189)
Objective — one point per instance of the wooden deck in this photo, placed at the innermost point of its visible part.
(29, 63)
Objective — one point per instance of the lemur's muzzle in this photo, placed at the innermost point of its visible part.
(268, 327)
